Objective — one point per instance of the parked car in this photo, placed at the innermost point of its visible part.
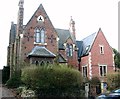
(115, 94)
(102, 96)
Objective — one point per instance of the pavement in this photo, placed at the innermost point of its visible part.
(6, 93)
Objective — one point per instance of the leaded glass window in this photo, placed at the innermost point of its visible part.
(39, 35)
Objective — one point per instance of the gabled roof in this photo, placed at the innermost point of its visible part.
(41, 51)
(63, 35)
(86, 44)
(41, 8)
(34, 14)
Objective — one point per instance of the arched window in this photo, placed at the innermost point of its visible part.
(42, 63)
(36, 63)
(42, 32)
(69, 50)
(39, 35)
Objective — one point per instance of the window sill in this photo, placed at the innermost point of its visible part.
(40, 43)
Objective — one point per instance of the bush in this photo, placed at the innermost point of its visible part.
(14, 81)
(53, 80)
(94, 81)
(113, 81)
(5, 74)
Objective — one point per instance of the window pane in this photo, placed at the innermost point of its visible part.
(67, 50)
(101, 73)
(104, 70)
(37, 35)
(42, 36)
(71, 50)
(101, 50)
(85, 71)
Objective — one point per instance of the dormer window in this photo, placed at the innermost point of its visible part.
(101, 49)
(87, 48)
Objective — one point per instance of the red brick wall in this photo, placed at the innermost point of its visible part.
(49, 30)
(97, 58)
(101, 59)
(73, 59)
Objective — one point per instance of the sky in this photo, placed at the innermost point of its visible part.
(89, 16)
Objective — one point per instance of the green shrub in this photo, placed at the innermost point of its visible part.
(113, 81)
(53, 80)
(5, 74)
(14, 81)
(94, 81)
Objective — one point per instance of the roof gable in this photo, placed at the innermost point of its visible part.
(40, 11)
(63, 35)
(85, 45)
(100, 34)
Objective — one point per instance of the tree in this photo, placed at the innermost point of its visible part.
(116, 58)
(113, 80)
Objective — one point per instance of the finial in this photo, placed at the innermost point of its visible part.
(21, 2)
(12, 23)
(100, 29)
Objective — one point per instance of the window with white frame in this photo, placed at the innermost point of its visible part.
(101, 49)
(69, 50)
(103, 70)
(84, 71)
(39, 35)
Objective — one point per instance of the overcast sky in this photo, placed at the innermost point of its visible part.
(89, 16)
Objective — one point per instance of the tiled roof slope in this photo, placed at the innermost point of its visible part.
(41, 51)
(85, 45)
(63, 35)
(61, 59)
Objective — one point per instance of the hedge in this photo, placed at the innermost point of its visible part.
(52, 80)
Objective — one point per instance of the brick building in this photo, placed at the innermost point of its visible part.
(39, 42)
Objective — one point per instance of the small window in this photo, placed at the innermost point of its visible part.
(42, 63)
(69, 50)
(103, 70)
(87, 48)
(101, 49)
(36, 63)
(84, 71)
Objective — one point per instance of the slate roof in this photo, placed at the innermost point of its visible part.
(80, 48)
(85, 44)
(61, 59)
(63, 35)
(41, 51)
